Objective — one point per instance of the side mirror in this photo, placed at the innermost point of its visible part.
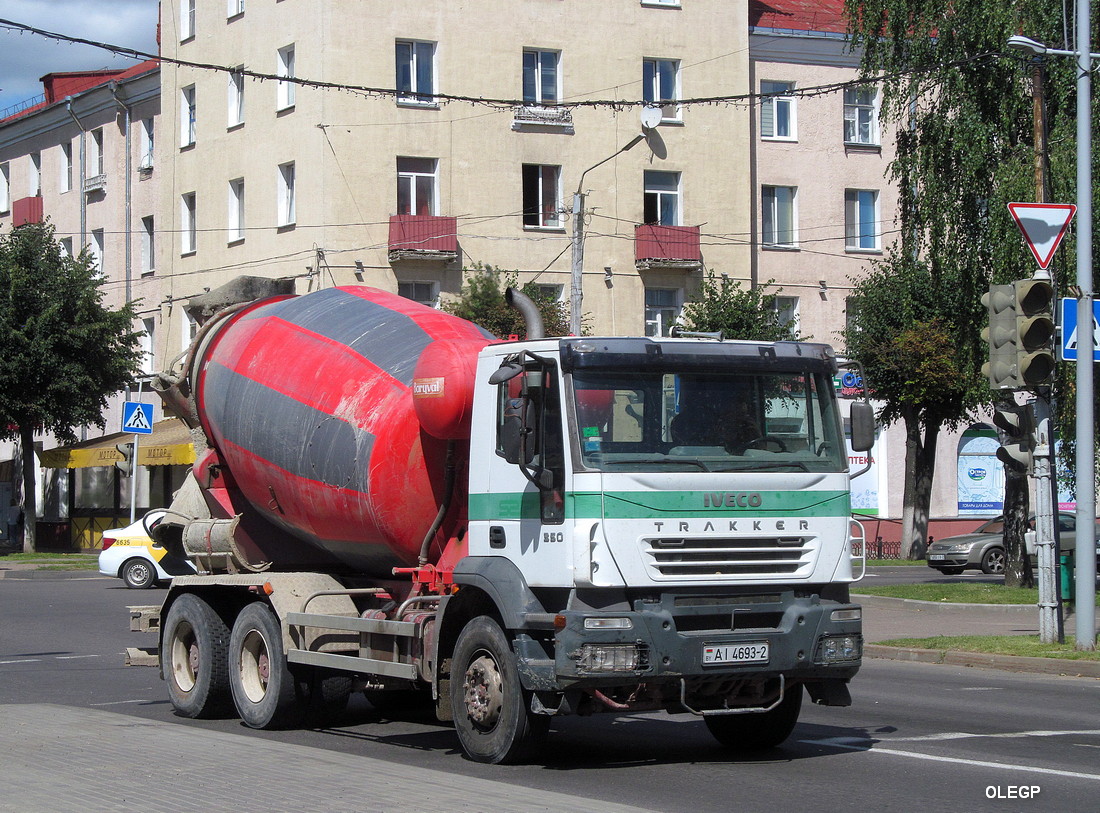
(506, 372)
(863, 426)
(515, 435)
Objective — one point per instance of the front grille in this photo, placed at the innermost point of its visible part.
(708, 557)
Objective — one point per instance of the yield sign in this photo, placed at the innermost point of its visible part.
(1043, 226)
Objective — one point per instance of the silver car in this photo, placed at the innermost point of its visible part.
(984, 548)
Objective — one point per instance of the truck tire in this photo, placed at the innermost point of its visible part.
(138, 574)
(325, 692)
(194, 658)
(756, 732)
(490, 706)
(264, 690)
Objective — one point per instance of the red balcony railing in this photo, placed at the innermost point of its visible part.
(424, 233)
(26, 210)
(676, 245)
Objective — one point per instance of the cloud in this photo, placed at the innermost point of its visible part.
(24, 57)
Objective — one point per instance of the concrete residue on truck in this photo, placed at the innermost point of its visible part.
(386, 498)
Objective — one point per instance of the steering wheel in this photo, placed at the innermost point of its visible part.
(766, 440)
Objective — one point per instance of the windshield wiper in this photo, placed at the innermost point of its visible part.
(660, 461)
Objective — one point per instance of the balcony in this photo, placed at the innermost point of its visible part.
(423, 237)
(667, 246)
(558, 118)
(96, 183)
(26, 210)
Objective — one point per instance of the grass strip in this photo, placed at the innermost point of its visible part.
(1012, 645)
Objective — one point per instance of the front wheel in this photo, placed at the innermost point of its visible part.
(994, 561)
(490, 706)
(264, 690)
(760, 730)
(194, 661)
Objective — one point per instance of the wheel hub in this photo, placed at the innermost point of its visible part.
(484, 692)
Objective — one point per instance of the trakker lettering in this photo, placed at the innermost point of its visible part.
(732, 499)
(746, 525)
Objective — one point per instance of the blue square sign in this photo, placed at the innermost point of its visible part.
(137, 418)
(1069, 344)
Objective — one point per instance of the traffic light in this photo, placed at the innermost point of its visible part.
(1001, 338)
(1018, 423)
(1034, 331)
(126, 464)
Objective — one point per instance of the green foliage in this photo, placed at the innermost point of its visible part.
(722, 304)
(482, 302)
(61, 351)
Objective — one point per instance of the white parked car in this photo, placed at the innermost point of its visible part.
(131, 555)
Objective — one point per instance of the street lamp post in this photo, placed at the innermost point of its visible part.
(576, 292)
(1085, 630)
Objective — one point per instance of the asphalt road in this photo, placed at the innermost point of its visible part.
(927, 737)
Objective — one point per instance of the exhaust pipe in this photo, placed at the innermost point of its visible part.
(531, 316)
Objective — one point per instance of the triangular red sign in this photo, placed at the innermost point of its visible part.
(1043, 226)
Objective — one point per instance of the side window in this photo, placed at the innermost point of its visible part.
(541, 411)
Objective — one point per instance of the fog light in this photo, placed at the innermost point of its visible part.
(608, 624)
(839, 648)
(608, 658)
(847, 615)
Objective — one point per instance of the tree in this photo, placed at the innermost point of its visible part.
(61, 351)
(723, 305)
(482, 302)
(963, 132)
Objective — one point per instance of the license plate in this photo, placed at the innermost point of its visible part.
(736, 653)
(936, 557)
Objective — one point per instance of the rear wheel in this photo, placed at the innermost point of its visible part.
(194, 659)
(139, 574)
(994, 561)
(490, 706)
(264, 691)
(757, 731)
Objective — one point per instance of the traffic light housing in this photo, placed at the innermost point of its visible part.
(1018, 424)
(1034, 331)
(126, 464)
(1001, 338)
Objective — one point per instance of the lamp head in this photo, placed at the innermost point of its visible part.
(1021, 43)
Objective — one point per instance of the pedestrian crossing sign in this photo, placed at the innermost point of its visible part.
(1070, 341)
(137, 418)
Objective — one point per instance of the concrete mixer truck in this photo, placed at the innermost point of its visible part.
(388, 499)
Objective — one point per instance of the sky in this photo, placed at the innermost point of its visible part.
(24, 58)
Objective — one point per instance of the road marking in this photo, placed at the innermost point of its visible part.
(843, 742)
(75, 657)
(118, 702)
(27, 660)
(1007, 735)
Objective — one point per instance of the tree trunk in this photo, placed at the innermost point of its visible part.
(1018, 571)
(920, 463)
(30, 507)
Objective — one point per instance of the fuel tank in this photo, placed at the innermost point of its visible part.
(332, 414)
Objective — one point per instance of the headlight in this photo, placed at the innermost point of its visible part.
(959, 549)
(608, 624)
(610, 658)
(839, 649)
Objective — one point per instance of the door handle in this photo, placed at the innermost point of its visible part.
(496, 537)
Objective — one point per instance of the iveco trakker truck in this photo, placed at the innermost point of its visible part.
(386, 498)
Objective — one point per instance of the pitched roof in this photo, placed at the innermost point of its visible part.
(58, 86)
(823, 16)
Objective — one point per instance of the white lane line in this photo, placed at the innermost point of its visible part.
(26, 660)
(978, 763)
(1007, 735)
(76, 657)
(118, 702)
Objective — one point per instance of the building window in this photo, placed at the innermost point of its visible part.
(285, 194)
(95, 160)
(777, 110)
(786, 311)
(5, 188)
(234, 8)
(285, 90)
(187, 116)
(777, 216)
(34, 180)
(661, 86)
(235, 112)
(66, 244)
(541, 193)
(415, 72)
(860, 116)
(549, 291)
(188, 227)
(148, 257)
(188, 330)
(422, 292)
(861, 220)
(148, 344)
(416, 186)
(662, 309)
(187, 19)
(540, 77)
(236, 210)
(65, 175)
(96, 247)
(145, 135)
(662, 198)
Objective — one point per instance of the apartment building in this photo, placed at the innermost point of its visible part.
(824, 210)
(83, 157)
(419, 139)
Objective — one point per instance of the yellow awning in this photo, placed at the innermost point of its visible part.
(168, 445)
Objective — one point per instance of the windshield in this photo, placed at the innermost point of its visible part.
(656, 420)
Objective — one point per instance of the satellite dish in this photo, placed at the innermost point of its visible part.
(651, 117)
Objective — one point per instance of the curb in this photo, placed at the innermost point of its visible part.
(916, 604)
(1008, 663)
